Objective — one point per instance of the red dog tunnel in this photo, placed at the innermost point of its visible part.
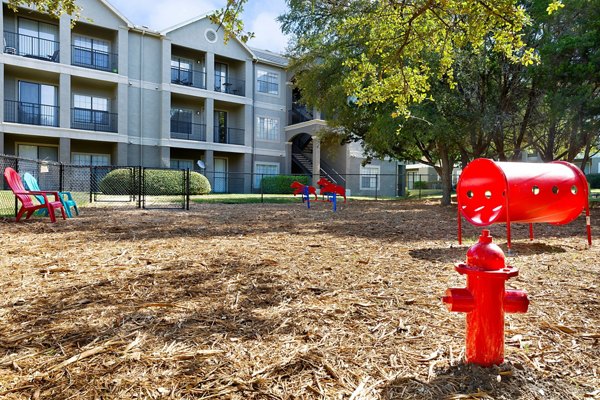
(493, 192)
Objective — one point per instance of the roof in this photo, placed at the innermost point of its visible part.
(269, 57)
(198, 18)
(118, 13)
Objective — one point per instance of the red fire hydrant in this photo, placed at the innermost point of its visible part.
(485, 301)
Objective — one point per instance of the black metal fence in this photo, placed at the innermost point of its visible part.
(151, 188)
(135, 186)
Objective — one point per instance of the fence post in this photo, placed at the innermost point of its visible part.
(61, 178)
(376, 185)
(187, 189)
(140, 186)
(420, 186)
(16, 200)
(91, 182)
(262, 191)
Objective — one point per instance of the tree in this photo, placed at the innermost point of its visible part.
(54, 8)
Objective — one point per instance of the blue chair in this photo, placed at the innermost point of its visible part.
(65, 197)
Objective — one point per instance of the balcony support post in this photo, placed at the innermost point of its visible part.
(64, 41)
(64, 101)
(2, 105)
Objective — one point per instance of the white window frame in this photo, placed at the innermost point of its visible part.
(91, 155)
(367, 172)
(265, 136)
(258, 176)
(265, 73)
(38, 145)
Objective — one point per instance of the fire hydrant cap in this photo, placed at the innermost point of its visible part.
(486, 255)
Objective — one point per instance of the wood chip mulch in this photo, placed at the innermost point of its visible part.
(275, 301)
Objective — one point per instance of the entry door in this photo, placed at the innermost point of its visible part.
(221, 127)
(220, 185)
(37, 104)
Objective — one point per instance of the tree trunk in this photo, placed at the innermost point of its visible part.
(445, 173)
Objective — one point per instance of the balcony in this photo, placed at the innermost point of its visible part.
(31, 47)
(93, 120)
(94, 59)
(299, 114)
(230, 85)
(30, 113)
(228, 135)
(188, 131)
(188, 77)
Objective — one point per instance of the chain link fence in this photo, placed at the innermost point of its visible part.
(161, 188)
(137, 187)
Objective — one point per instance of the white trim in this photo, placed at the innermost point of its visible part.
(257, 130)
(198, 18)
(79, 153)
(118, 13)
(256, 174)
(363, 173)
(267, 72)
(211, 30)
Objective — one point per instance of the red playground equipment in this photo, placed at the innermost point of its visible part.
(331, 188)
(301, 189)
(485, 301)
(491, 192)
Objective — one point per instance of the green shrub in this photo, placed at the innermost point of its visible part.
(280, 184)
(420, 185)
(157, 182)
(594, 180)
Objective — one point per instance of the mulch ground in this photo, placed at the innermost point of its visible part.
(280, 302)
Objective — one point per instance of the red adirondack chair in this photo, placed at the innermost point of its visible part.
(16, 185)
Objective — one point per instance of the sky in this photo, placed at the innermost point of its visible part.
(259, 17)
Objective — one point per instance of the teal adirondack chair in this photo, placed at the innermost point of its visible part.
(65, 197)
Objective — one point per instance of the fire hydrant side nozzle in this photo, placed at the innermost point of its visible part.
(485, 300)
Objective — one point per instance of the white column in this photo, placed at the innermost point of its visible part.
(210, 71)
(65, 39)
(123, 50)
(209, 109)
(64, 91)
(316, 154)
(122, 108)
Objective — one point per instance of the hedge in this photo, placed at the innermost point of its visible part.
(594, 180)
(157, 182)
(280, 184)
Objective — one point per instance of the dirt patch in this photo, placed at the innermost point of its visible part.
(281, 302)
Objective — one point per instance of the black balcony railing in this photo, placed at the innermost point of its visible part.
(30, 113)
(229, 135)
(188, 131)
(188, 77)
(299, 114)
(94, 59)
(94, 120)
(230, 85)
(31, 46)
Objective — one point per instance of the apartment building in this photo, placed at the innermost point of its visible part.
(107, 92)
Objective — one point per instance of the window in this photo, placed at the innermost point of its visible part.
(181, 121)
(89, 52)
(33, 152)
(369, 177)
(267, 82)
(267, 129)
(91, 113)
(37, 104)
(262, 169)
(181, 71)
(222, 77)
(182, 164)
(100, 160)
(38, 39)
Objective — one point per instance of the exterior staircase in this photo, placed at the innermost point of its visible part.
(303, 158)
